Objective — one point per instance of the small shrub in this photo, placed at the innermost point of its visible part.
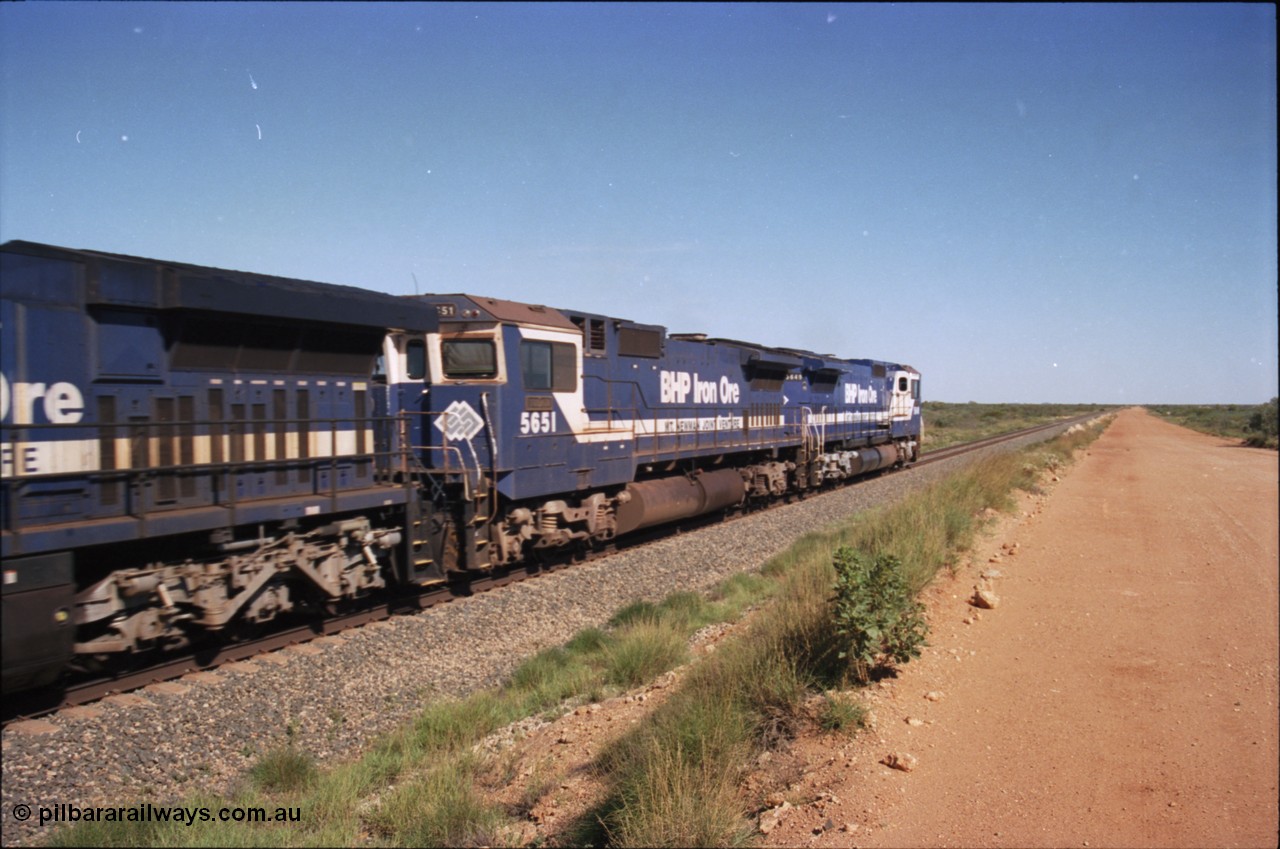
(875, 615)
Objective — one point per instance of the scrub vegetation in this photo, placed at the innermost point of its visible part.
(835, 610)
(678, 776)
(1257, 426)
(947, 424)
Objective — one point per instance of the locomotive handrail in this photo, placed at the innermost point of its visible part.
(445, 446)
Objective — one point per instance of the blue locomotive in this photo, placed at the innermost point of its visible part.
(190, 451)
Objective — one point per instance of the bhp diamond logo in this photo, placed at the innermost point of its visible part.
(460, 421)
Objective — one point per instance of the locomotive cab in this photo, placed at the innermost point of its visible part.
(488, 404)
(488, 375)
(905, 397)
(904, 410)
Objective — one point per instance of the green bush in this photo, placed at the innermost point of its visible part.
(1263, 426)
(876, 615)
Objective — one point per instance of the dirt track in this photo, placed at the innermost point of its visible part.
(1124, 691)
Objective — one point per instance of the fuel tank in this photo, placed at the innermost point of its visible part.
(649, 503)
(874, 457)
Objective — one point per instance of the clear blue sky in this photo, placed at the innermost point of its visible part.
(1050, 202)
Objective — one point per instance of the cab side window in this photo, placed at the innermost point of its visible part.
(548, 366)
(415, 357)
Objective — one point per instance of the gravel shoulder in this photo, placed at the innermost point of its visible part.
(1124, 692)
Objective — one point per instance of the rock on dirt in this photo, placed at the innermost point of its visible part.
(985, 597)
(900, 760)
(770, 819)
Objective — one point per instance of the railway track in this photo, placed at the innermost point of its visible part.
(30, 705)
(967, 447)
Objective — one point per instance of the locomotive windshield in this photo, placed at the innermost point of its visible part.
(469, 358)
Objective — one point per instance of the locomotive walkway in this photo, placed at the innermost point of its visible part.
(1124, 691)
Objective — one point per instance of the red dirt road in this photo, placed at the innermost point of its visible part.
(1123, 693)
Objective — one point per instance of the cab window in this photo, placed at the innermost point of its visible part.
(469, 358)
(548, 366)
(415, 357)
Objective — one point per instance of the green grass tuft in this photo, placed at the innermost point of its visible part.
(283, 768)
(840, 713)
(643, 650)
(636, 611)
(439, 807)
(587, 642)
